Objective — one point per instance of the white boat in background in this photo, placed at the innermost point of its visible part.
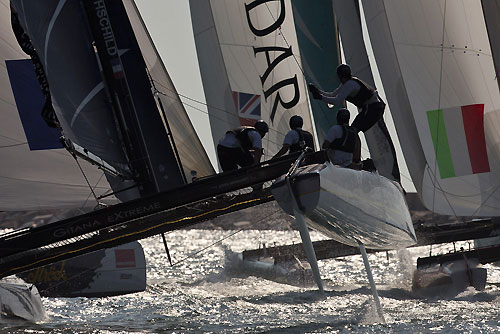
(20, 302)
(103, 273)
(350, 206)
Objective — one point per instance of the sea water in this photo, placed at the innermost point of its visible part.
(207, 292)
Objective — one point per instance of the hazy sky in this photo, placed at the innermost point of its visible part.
(169, 24)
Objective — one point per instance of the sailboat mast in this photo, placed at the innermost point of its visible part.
(149, 149)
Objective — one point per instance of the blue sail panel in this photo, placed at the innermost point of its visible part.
(30, 101)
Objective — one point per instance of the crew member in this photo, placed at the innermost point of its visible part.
(296, 139)
(354, 90)
(242, 146)
(342, 142)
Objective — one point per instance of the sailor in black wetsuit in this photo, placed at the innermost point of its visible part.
(242, 146)
(296, 139)
(354, 90)
(342, 142)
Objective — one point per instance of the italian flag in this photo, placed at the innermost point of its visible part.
(458, 138)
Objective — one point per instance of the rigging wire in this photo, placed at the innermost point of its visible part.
(226, 237)
(207, 113)
(322, 106)
(86, 179)
(176, 263)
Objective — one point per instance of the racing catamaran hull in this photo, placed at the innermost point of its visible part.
(350, 206)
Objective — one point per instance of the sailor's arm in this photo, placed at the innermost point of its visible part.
(282, 151)
(341, 94)
(257, 154)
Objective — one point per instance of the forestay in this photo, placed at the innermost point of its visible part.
(249, 61)
(436, 65)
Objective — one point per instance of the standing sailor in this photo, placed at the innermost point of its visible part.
(296, 139)
(354, 90)
(242, 146)
(342, 142)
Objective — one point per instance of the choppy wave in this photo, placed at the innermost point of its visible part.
(210, 292)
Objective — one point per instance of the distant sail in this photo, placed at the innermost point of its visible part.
(437, 68)
(35, 179)
(249, 50)
(379, 141)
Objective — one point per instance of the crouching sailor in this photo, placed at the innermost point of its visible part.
(296, 139)
(342, 142)
(242, 146)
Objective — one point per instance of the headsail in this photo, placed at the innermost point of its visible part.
(435, 61)
(250, 66)
(192, 154)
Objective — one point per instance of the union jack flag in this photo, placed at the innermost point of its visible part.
(248, 106)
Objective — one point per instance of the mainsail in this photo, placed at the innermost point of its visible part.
(112, 94)
(437, 68)
(35, 179)
(250, 66)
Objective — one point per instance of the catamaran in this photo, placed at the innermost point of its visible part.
(124, 116)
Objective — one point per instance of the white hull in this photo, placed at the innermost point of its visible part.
(108, 272)
(20, 302)
(351, 206)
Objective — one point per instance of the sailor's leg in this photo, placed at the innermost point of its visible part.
(227, 158)
(372, 282)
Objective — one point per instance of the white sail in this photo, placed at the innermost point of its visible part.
(39, 179)
(249, 61)
(435, 61)
(377, 137)
(192, 154)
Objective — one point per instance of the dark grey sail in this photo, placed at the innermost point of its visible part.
(100, 89)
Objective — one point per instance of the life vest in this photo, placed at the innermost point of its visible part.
(305, 140)
(365, 93)
(241, 134)
(345, 143)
